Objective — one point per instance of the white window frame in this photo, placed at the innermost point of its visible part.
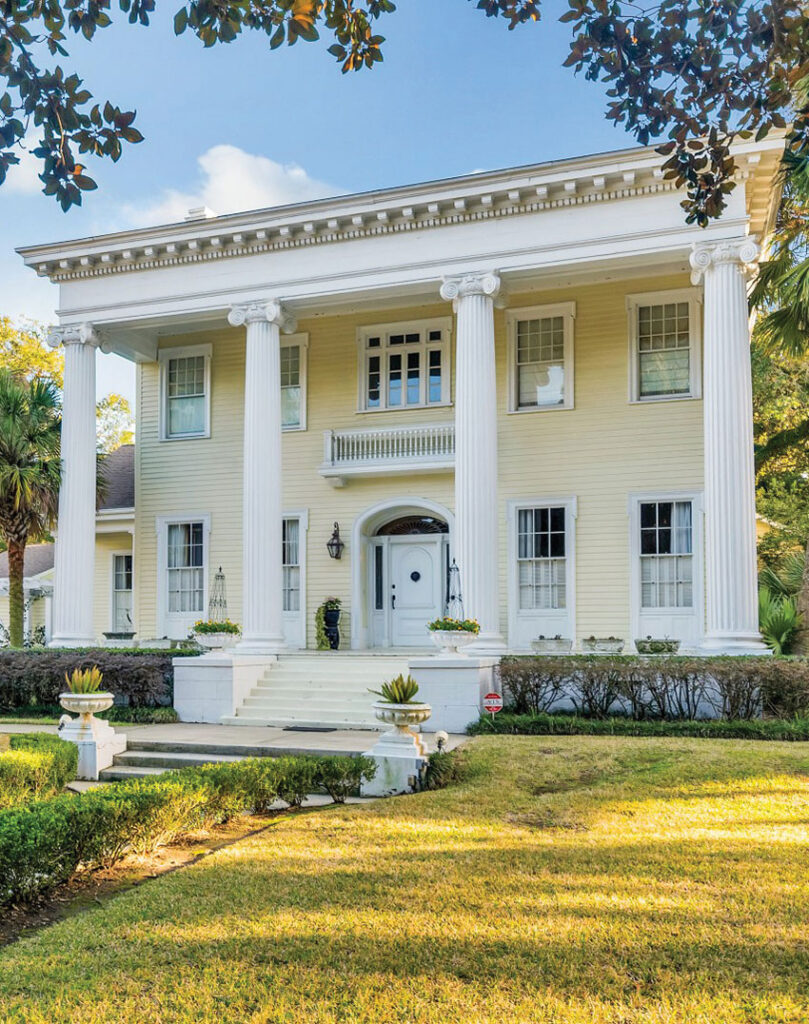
(295, 622)
(113, 555)
(443, 324)
(567, 310)
(697, 609)
(693, 296)
(302, 341)
(520, 621)
(164, 356)
(162, 523)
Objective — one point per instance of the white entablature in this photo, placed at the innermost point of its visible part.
(612, 213)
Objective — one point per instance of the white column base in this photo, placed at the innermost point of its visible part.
(73, 641)
(259, 645)
(400, 758)
(734, 643)
(98, 744)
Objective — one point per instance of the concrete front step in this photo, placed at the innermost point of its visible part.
(172, 759)
(125, 773)
(272, 718)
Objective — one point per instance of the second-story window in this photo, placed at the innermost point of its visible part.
(664, 329)
(185, 392)
(404, 366)
(541, 357)
(293, 381)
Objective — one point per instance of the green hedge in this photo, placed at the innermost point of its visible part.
(118, 713)
(44, 843)
(37, 766)
(35, 678)
(544, 724)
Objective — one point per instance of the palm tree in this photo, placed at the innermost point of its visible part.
(30, 430)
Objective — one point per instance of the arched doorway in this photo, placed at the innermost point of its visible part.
(400, 578)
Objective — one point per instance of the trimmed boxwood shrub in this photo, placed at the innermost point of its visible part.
(667, 688)
(37, 765)
(44, 843)
(37, 677)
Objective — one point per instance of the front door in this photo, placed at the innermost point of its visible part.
(416, 588)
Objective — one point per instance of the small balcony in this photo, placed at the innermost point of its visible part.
(388, 451)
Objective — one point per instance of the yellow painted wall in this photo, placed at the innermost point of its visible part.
(600, 451)
(107, 545)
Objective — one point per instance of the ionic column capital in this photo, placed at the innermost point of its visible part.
(270, 311)
(73, 334)
(461, 287)
(741, 252)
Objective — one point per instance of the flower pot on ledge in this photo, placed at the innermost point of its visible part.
(216, 641)
(452, 640)
(602, 645)
(552, 645)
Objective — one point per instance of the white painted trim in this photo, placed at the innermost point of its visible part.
(302, 341)
(363, 526)
(513, 505)
(162, 524)
(302, 515)
(693, 296)
(164, 355)
(635, 499)
(112, 591)
(365, 331)
(567, 310)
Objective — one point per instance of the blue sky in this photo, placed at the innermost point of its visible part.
(239, 126)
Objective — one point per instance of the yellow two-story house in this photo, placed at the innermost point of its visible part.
(539, 375)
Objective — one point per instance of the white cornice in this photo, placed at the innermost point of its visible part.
(498, 194)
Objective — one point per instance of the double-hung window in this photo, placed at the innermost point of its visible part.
(541, 357)
(185, 568)
(122, 593)
(665, 345)
(405, 366)
(290, 540)
(666, 554)
(293, 382)
(185, 392)
(541, 558)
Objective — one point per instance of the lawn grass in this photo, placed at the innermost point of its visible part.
(568, 879)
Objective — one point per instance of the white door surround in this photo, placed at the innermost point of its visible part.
(375, 627)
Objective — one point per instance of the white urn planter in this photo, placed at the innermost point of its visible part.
(451, 641)
(216, 641)
(96, 739)
(400, 754)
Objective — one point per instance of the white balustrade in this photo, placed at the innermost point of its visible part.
(388, 449)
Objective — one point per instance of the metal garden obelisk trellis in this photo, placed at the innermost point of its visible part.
(455, 598)
(218, 601)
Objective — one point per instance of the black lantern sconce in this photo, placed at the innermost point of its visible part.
(335, 546)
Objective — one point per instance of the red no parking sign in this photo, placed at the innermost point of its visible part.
(492, 703)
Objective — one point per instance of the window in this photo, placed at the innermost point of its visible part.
(666, 554)
(664, 331)
(404, 365)
(122, 593)
(541, 357)
(185, 389)
(293, 382)
(292, 564)
(185, 568)
(541, 558)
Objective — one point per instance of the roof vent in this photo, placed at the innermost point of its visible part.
(200, 213)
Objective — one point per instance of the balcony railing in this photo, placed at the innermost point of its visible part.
(429, 449)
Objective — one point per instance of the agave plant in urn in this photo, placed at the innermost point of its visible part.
(396, 707)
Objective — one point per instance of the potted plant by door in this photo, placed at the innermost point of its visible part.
(84, 696)
(215, 636)
(552, 645)
(602, 645)
(453, 634)
(327, 623)
(650, 645)
(397, 707)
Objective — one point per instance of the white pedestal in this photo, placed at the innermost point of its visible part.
(454, 687)
(400, 757)
(98, 744)
(213, 686)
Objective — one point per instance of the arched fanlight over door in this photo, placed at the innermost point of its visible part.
(411, 526)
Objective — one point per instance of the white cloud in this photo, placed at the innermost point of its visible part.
(23, 178)
(232, 180)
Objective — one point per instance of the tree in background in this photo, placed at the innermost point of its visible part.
(115, 425)
(30, 430)
(697, 75)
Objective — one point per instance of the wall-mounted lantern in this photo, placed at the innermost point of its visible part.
(335, 545)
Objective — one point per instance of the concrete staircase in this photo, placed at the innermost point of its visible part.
(327, 690)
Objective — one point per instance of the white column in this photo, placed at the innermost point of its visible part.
(75, 536)
(730, 510)
(262, 566)
(477, 549)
